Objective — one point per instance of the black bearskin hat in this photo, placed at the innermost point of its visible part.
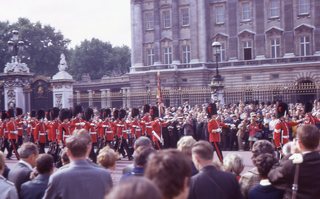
(211, 110)
(135, 112)
(88, 115)
(64, 114)
(146, 108)
(54, 113)
(77, 109)
(11, 113)
(19, 111)
(154, 112)
(33, 113)
(105, 113)
(122, 113)
(40, 114)
(115, 114)
(308, 107)
(282, 109)
(4, 115)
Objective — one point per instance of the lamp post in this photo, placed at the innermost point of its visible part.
(15, 46)
(216, 84)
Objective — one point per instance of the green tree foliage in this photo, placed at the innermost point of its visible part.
(98, 58)
(43, 45)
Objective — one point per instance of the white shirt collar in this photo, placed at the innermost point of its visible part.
(25, 163)
(265, 182)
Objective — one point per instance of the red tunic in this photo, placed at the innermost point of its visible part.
(53, 131)
(92, 130)
(40, 132)
(105, 130)
(135, 128)
(19, 124)
(281, 134)
(31, 126)
(213, 126)
(156, 127)
(122, 129)
(12, 130)
(77, 123)
(146, 125)
(310, 119)
(64, 131)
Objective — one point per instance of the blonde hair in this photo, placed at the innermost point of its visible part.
(185, 144)
(233, 163)
(107, 157)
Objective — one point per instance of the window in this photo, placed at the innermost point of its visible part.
(219, 14)
(246, 11)
(304, 45)
(275, 48)
(222, 52)
(150, 56)
(247, 78)
(185, 17)
(274, 8)
(247, 50)
(148, 17)
(304, 7)
(167, 51)
(274, 76)
(186, 54)
(166, 19)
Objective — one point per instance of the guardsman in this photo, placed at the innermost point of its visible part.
(135, 127)
(77, 121)
(4, 134)
(309, 118)
(19, 124)
(122, 134)
(53, 133)
(281, 130)
(214, 129)
(31, 125)
(64, 127)
(92, 130)
(40, 131)
(105, 128)
(12, 134)
(146, 122)
(156, 128)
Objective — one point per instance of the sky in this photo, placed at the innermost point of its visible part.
(77, 20)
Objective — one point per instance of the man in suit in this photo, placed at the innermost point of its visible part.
(20, 173)
(7, 188)
(309, 169)
(80, 178)
(210, 182)
(35, 189)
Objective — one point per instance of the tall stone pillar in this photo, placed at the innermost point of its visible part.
(62, 84)
(194, 32)
(124, 97)
(108, 95)
(128, 99)
(103, 98)
(202, 31)
(78, 97)
(90, 98)
(137, 34)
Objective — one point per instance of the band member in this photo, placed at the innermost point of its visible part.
(77, 122)
(64, 127)
(40, 132)
(146, 122)
(53, 133)
(31, 125)
(214, 129)
(105, 128)
(156, 128)
(122, 135)
(4, 134)
(135, 123)
(92, 130)
(12, 134)
(19, 123)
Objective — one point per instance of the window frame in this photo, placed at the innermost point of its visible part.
(148, 21)
(249, 11)
(305, 3)
(166, 19)
(184, 17)
(219, 15)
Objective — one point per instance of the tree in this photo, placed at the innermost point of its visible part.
(43, 45)
(98, 58)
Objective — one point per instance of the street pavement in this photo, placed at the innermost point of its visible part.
(121, 164)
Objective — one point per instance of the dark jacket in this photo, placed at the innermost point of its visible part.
(19, 175)
(211, 183)
(282, 176)
(35, 189)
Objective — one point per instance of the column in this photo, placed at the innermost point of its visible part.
(128, 97)
(103, 98)
(202, 31)
(288, 34)
(27, 100)
(260, 32)
(233, 30)
(175, 33)
(194, 32)
(317, 27)
(137, 34)
(124, 100)
(108, 98)
(157, 33)
(78, 97)
(90, 95)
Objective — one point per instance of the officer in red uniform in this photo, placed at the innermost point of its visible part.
(281, 130)
(105, 130)
(309, 118)
(156, 128)
(146, 122)
(19, 123)
(122, 134)
(77, 121)
(214, 129)
(31, 125)
(91, 127)
(40, 131)
(4, 134)
(12, 134)
(64, 127)
(53, 133)
(135, 127)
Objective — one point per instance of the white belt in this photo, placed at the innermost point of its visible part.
(14, 132)
(42, 133)
(285, 136)
(105, 126)
(110, 132)
(149, 127)
(19, 128)
(93, 133)
(66, 136)
(138, 129)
